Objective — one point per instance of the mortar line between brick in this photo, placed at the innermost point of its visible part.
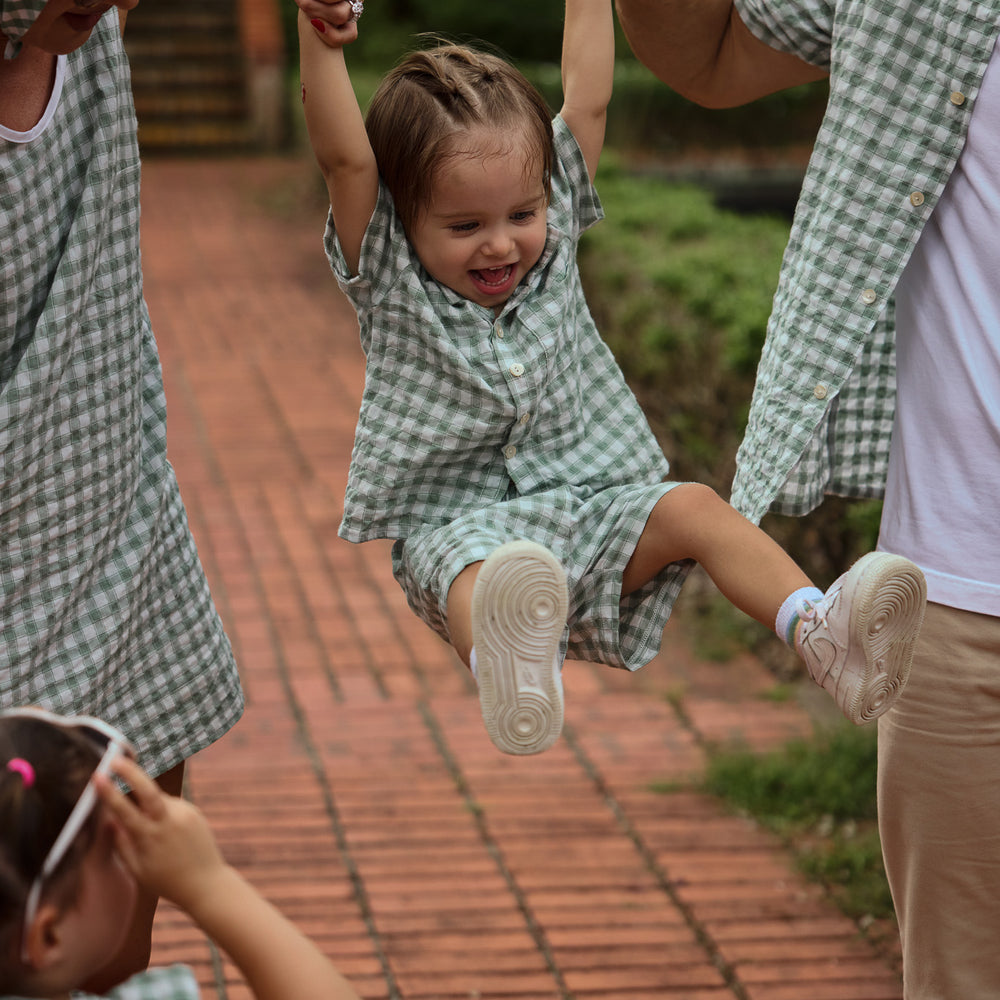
(535, 928)
(218, 971)
(327, 666)
(329, 805)
(278, 420)
(207, 556)
(214, 955)
(302, 729)
(700, 931)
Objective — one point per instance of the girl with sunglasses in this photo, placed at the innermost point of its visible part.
(74, 851)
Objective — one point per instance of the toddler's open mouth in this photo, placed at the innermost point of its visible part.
(494, 276)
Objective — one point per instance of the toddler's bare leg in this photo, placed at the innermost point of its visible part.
(460, 610)
(693, 522)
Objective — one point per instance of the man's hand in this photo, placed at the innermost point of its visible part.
(704, 51)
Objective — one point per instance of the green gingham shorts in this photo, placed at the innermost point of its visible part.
(593, 533)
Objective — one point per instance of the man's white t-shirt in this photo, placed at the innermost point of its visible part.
(942, 504)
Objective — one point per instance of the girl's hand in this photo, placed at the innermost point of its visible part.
(335, 21)
(164, 841)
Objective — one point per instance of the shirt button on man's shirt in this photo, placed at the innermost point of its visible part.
(517, 370)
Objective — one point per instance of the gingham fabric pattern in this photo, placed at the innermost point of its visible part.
(593, 534)
(905, 75)
(169, 982)
(105, 607)
(476, 430)
(16, 16)
(461, 406)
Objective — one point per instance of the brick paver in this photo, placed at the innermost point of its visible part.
(360, 792)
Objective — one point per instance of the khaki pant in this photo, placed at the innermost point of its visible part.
(939, 809)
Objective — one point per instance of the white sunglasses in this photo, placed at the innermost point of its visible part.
(114, 745)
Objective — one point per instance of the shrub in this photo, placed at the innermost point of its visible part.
(820, 796)
(681, 291)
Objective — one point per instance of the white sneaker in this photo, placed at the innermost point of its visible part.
(518, 616)
(857, 640)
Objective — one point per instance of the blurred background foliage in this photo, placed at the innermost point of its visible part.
(680, 286)
(644, 114)
(681, 291)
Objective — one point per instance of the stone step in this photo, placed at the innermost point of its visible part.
(188, 75)
(153, 47)
(215, 104)
(194, 136)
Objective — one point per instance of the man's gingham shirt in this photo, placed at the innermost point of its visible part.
(461, 408)
(904, 79)
(104, 608)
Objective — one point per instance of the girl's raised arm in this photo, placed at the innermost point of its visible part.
(169, 847)
(336, 126)
(588, 64)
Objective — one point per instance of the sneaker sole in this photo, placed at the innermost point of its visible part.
(888, 610)
(518, 616)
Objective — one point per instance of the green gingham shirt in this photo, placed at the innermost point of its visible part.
(461, 408)
(169, 982)
(904, 78)
(104, 608)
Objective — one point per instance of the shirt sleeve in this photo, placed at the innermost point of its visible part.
(386, 254)
(575, 206)
(803, 28)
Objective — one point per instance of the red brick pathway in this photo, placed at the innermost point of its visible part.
(360, 792)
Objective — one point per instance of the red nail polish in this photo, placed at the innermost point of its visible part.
(318, 25)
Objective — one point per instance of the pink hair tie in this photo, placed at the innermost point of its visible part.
(20, 766)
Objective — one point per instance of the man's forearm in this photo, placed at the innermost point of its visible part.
(703, 50)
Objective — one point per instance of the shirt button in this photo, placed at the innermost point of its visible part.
(820, 392)
(510, 451)
(957, 98)
(517, 370)
(525, 417)
(917, 199)
(868, 296)
(498, 331)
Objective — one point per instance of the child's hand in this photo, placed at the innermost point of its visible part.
(165, 841)
(335, 21)
(168, 846)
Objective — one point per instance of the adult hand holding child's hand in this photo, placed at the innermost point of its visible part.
(335, 21)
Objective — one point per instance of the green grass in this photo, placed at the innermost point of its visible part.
(819, 795)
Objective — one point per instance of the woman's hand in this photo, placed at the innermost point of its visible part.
(335, 21)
